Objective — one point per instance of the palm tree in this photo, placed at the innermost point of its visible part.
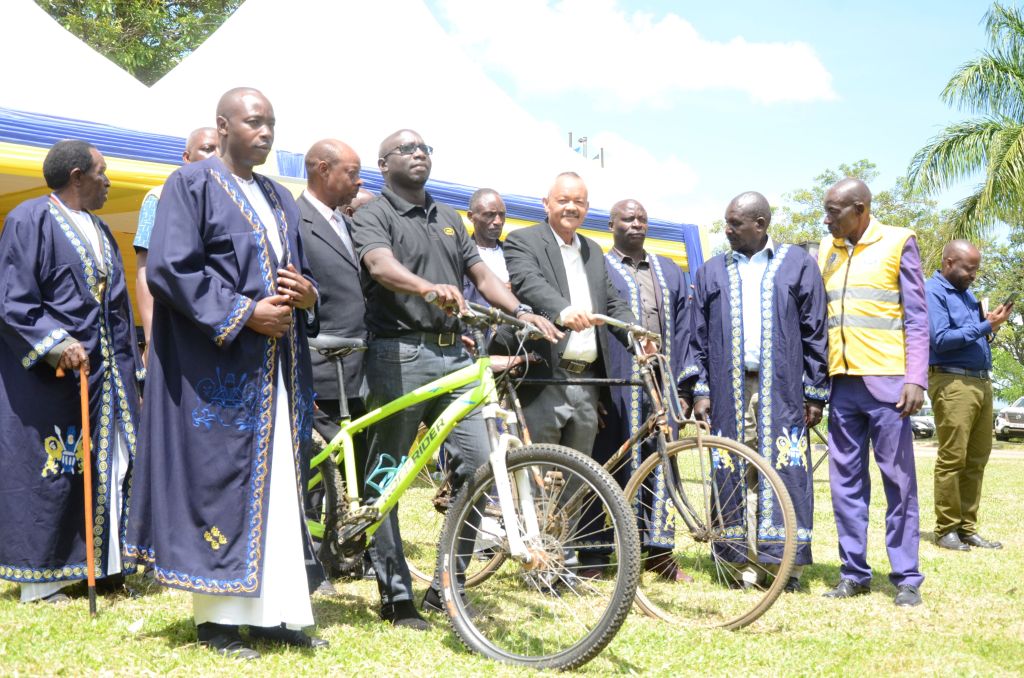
(992, 87)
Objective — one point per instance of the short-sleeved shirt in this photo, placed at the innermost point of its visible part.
(431, 241)
(147, 217)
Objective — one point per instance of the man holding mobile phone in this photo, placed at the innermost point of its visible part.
(960, 387)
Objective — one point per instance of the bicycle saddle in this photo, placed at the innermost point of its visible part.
(328, 343)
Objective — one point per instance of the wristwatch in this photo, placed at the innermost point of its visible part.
(521, 309)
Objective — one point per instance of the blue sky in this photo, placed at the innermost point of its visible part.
(729, 96)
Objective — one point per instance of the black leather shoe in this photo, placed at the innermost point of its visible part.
(793, 586)
(951, 541)
(225, 640)
(116, 585)
(403, 614)
(977, 541)
(283, 634)
(432, 603)
(326, 589)
(907, 596)
(55, 598)
(847, 588)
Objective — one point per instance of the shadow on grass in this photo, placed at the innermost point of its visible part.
(826, 573)
(344, 608)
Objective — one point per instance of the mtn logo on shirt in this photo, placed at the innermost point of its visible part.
(448, 230)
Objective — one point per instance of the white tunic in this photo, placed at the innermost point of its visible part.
(284, 595)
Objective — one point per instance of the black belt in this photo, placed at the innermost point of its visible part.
(977, 374)
(444, 339)
(574, 366)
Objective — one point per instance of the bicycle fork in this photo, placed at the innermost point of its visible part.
(522, 526)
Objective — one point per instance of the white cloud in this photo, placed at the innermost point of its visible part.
(627, 58)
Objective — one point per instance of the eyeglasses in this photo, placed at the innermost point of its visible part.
(409, 149)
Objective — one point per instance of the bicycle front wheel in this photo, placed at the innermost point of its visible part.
(565, 605)
(723, 489)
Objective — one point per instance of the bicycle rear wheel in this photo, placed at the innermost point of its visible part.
(716, 552)
(551, 613)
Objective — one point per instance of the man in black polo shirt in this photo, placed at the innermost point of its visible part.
(410, 246)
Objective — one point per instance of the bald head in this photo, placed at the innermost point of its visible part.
(396, 139)
(487, 214)
(959, 248)
(848, 209)
(754, 205)
(852, 189)
(627, 220)
(746, 223)
(200, 145)
(230, 103)
(567, 204)
(960, 263)
(404, 160)
(332, 171)
(362, 197)
(245, 128)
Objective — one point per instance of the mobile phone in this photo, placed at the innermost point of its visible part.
(1010, 299)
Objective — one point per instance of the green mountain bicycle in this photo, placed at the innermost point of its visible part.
(524, 515)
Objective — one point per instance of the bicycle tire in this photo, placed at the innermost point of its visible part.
(552, 614)
(715, 597)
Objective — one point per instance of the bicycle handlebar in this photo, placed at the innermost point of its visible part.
(491, 315)
(636, 330)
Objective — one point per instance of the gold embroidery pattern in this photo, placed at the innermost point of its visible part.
(63, 453)
(43, 346)
(215, 538)
(226, 328)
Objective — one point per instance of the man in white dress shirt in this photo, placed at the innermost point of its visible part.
(562, 276)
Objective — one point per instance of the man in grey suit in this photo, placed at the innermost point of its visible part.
(333, 180)
(562, 276)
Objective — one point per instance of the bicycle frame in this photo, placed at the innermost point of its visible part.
(401, 477)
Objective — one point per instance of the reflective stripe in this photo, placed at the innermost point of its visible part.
(866, 322)
(870, 293)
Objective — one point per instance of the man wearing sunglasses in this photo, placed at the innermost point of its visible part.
(411, 246)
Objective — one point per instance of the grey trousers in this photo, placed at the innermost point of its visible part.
(564, 415)
(394, 367)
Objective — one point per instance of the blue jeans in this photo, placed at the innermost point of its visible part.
(395, 366)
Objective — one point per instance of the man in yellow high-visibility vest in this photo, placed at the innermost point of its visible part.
(878, 361)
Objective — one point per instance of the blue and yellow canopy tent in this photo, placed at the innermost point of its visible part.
(138, 161)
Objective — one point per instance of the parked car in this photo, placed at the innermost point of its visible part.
(1010, 421)
(923, 423)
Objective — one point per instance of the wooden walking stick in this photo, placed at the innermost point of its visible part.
(90, 558)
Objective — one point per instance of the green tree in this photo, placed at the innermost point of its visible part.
(992, 87)
(999, 277)
(147, 38)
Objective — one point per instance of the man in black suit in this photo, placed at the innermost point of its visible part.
(562, 276)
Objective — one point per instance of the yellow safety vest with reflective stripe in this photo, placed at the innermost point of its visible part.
(865, 310)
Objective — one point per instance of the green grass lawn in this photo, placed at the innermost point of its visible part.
(971, 623)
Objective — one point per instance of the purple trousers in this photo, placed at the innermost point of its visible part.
(855, 416)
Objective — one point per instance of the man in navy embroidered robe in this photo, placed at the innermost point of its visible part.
(229, 402)
(656, 291)
(758, 347)
(64, 303)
